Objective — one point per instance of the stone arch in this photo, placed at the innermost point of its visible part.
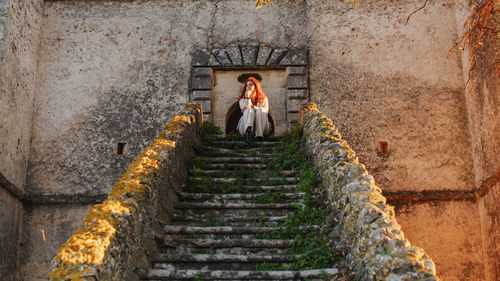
(233, 115)
(249, 57)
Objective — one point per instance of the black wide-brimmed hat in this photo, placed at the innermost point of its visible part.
(244, 77)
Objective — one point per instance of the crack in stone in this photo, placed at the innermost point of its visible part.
(212, 26)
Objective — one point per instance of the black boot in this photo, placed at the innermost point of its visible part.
(248, 137)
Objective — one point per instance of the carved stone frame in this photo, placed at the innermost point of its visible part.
(250, 57)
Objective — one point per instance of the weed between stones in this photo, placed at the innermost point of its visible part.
(311, 248)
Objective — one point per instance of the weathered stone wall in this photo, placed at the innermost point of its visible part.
(483, 108)
(116, 70)
(112, 240)
(379, 250)
(450, 233)
(45, 228)
(382, 79)
(10, 230)
(19, 37)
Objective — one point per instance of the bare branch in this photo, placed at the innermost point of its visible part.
(423, 6)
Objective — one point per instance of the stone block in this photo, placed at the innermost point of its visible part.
(206, 106)
(199, 58)
(296, 82)
(296, 70)
(276, 56)
(234, 55)
(212, 61)
(293, 105)
(290, 125)
(207, 117)
(202, 72)
(286, 60)
(222, 57)
(292, 117)
(298, 56)
(297, 94)
(264, 53)
(249, 54)
(201, 83)
(201, 95)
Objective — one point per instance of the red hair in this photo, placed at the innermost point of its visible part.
(259, 94)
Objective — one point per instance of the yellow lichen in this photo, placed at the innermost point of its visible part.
(88, 246)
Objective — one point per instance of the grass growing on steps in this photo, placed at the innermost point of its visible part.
(311, 248)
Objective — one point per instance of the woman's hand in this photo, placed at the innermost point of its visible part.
(248, 106)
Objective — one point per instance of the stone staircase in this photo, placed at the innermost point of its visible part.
(221, 226)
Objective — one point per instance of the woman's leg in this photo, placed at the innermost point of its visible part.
(260, 122)
(246, 121)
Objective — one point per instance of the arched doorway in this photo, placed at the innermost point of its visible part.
(234, 114)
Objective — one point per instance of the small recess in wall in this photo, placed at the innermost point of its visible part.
(121, 148)
(383, 148)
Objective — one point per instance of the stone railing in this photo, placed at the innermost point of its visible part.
(113, 240)
(379, 250)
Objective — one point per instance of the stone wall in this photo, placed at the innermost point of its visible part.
(112, 240)
(379, 250)
(383, 79)
(483, 108)
(45, 228)
(114, 71)
(10, 231)
(19, 38)
(380, 79)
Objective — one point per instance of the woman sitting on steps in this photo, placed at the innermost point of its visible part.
(255, 106)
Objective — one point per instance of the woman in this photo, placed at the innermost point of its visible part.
(255, 106)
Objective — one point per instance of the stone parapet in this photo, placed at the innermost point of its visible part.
(112, 240)
(379, 250)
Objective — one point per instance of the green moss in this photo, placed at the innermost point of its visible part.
(311, 247)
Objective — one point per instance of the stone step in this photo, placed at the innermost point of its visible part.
(230, 173)
(230, 220)
(225, 251)
(258, 188)
(226, 246)
(233, 166)
(228, 243)
(211, 214)
(239, 138)
(246, 266)
(224, 152)
(209, 258)
(279, 187)
(241, 143)
(176, 229)
(167, 274)
(237, 160)
(245, 151)
(223, 205)
(251, 181)
(212, 197)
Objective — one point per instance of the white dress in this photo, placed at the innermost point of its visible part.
(254, 115)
